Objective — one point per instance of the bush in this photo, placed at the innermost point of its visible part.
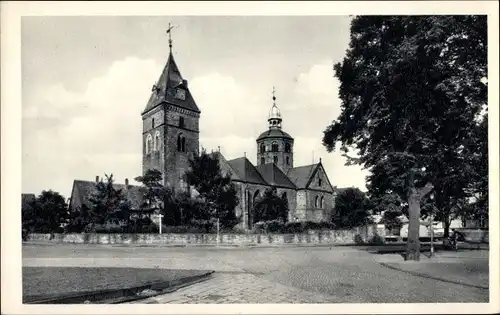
(358, 240)
(108, 230)
(59, 230)
(25, 235)
(259, 227)
(377, 240)
(183, 229)
(293, 228)
(275, 226)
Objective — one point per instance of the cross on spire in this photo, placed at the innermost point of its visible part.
(169, 32)
(274, 95)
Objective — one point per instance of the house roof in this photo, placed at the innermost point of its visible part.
(300, 175)
(87, 188)
(274, 176)
(274, 133)
(171, 79)
(224, 165)
(246, 172)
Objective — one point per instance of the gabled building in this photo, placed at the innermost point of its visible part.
(171, 137)
(83, 190)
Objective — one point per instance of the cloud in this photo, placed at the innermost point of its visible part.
(232, 146)
(317, 87)
(95, 132)
(310, 150)
(69, 135)
(227, 106)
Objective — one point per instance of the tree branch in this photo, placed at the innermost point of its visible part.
(425, 190)
(351, 160)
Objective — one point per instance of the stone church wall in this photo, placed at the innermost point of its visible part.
(337, 237)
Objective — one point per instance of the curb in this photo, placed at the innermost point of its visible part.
(117, 296)
(153, 300)
(422, 275)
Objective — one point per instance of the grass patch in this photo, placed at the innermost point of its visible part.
(50, 282)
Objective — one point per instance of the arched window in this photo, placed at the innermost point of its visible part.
(262, 148)
(275, 159)
(181, 122)
(157, 141)
(288, 147)
(319, 181)
(275, 147)
(287, 160)
(262, 160)
(149, 144)
(152, 122)
(316, 202)
(181, 143)
(321, 202)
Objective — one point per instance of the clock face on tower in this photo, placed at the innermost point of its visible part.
(180, 94)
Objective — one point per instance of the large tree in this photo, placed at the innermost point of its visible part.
(47, 212)
(215, 189)
(156, 197)
(411, 90)
(352, 208)
(78, 219)
(270, 207)
(106, 203)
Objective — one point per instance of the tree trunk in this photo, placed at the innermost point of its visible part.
(446, 222)
(413, 242)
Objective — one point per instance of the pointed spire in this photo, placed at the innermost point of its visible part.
(171, 87)
(274, 114)
(169, 32)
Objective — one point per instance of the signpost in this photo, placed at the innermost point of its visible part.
(160, 216)
(218, 232)
(432, 234)
(431, 225)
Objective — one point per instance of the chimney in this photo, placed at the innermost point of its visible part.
(97, 179)
(126, 182)
(185, 83)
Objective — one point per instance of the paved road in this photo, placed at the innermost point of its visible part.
(267, 275)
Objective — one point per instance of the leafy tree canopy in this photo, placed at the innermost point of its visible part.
(106, 202)
(352, 208)
(413, 91)
(215, 189)
(45, 213)
(270, 207)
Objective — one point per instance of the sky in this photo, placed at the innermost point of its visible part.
(86, 80)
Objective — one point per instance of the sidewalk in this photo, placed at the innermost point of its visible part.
(469, 268)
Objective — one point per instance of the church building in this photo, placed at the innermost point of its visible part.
(171, 137)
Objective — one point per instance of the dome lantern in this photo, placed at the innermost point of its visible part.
(274, 114)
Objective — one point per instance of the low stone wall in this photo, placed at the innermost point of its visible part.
(339, 237)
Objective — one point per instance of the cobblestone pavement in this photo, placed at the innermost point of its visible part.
(241, 288)
(268, 275)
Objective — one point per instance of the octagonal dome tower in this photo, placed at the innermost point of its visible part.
(274, 145)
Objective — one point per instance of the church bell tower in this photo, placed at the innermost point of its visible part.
(170, 133)
(275, 145)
